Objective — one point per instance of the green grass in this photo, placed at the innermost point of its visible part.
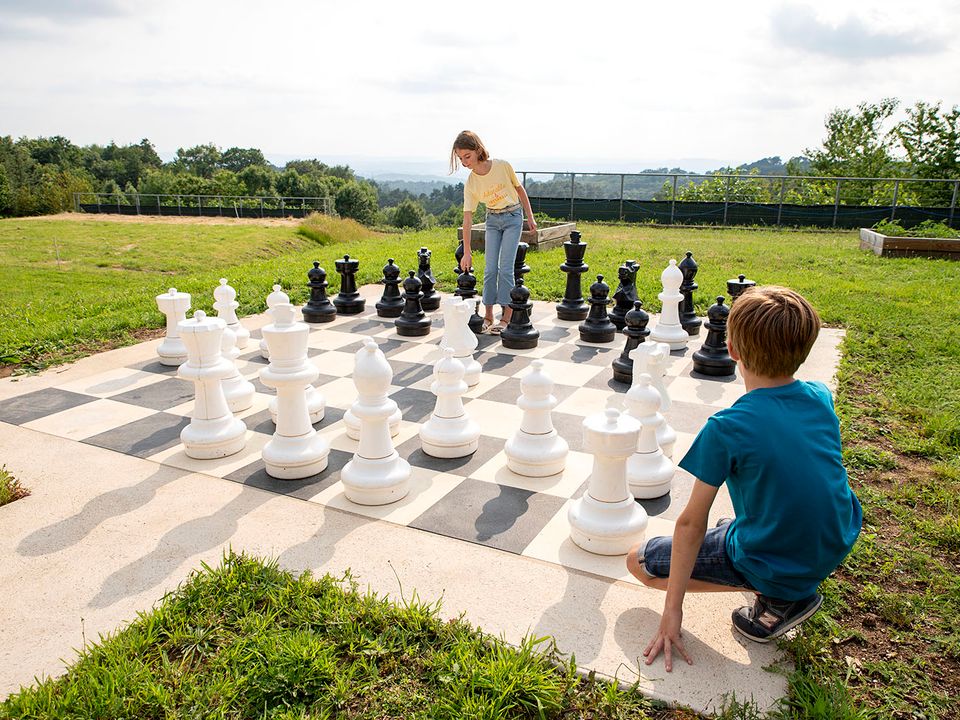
(10, 487)
(886, 641)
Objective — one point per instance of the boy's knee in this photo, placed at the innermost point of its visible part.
(635, 563)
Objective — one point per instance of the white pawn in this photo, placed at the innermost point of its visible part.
(226, 306)
(277, 297)
(376, 475)
(213, 431)
(458, 335)
(449, 432)
(536, 450)
(606, 519)
(296, 450)
(652, 358)
(649, 470)
(238, 390)
(668, 328)
(174, 305)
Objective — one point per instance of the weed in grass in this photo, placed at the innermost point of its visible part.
(10, 487)
(865, 457)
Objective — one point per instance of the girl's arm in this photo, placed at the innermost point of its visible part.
(528, 211)
(467, 261)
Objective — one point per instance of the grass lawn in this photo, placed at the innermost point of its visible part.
(887, 641)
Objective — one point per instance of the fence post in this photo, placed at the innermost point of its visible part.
(673, 200)
(896, 191)
(621, 197)
(179, 209)
(726, 199)
(99, 210)
(220, 204)
(118, 203)
(572, 191)
(524, 181)
(953, 202)
(199, 205)
(836, 203)
(783, 189)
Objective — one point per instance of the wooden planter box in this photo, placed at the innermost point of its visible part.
(890, 246)
(547, 235)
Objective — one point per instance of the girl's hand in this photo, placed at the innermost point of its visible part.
(667, 639)
(532, 224)
(466, 262)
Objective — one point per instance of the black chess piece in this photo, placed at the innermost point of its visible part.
(597, 328)
(431, 298)
(520, 267)
(712, 358)
(688, 316)
(318, 309)
(636, 331)
(736, 287)
(348, 300)
(520, 334)
(467, 289)
(391, 302)
(572, 307)
(626, 294)
(413, 322)
(458, 256)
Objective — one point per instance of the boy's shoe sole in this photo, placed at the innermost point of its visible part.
(767, 620)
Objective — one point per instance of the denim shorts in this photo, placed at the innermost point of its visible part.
(712, 565)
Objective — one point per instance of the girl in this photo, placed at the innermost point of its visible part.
(494, 183)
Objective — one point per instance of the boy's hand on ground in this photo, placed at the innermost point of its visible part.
(666, 639)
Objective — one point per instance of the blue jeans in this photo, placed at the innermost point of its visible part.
(499, 255)
(712, 565)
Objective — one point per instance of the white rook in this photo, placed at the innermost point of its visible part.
(536, 450)
(174, 305)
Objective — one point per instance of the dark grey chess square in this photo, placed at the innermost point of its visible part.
(570, 428)
(255, 475)
(388, 346)
(557, 334)
(154, 366)
(406, 374)
(604, 381)
(264, 390)
(144, 437)
(584, 354)
(488, 342)
(509, 390)
(261, 422)
(416, 405)
(254, 355)
(688, 417)
(366, 326)
(498, 516)
(502, 363)
(40, 403)
(162, 395)
(670, 506)
(486, 449)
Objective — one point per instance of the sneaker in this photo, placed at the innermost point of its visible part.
(769, 618)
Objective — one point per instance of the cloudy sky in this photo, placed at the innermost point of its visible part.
(548, 85)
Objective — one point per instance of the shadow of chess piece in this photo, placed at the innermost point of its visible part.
(318, 309)
(520, 334)
(520, 267)
(737, 286)
(636, 331)
(626, 293)
(390, 304)
(467, 289)
(712, 358)
(597, 328)
(572, 307)
(412, 322)
(431, 298)
(688, 316)
(348, 300)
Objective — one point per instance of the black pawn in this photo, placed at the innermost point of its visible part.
(391, 302)
(318, 309)
(467, 289)
(412, 322)
(636, 331)
(520, 334)
(626, 294)
(348, 300)
(597, 328)
(431, 298)
(520, 267)
(572, 306)
(688, 316)
(737, 286)
(712, 358)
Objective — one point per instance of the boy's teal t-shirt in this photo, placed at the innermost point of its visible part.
(778, 450)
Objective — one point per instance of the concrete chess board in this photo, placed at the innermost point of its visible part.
(125, 402)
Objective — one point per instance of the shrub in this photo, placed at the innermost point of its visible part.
(358, 201)
(410, 214)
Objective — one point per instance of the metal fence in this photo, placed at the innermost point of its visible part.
(240, 206)
(677, 198)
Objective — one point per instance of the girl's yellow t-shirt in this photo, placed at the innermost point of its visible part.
(497, 189)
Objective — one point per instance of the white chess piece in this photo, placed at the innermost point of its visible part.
(296, 450)
(213, 431)
(652, 359)
(458, 335)
(649, 470)
(668, 328)
(376, 475)
(536, 450)
(277, 297)
(449, 432)
(174, 305)
(606, 519)
(238, 390)
(226, 306)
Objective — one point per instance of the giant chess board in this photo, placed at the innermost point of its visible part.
(139, 410)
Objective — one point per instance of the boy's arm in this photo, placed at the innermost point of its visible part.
(687, 538)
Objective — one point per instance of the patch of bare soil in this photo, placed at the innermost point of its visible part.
(169, 219)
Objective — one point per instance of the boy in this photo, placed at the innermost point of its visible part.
(778, 450)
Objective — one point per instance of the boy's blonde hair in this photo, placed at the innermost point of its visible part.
(772, 328)
(467, 140)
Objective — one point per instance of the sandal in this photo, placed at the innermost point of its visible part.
(487, 324)
(498, 328)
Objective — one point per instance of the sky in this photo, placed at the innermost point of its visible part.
(604, 86)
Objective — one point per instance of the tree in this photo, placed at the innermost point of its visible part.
(257, 179)
(930, 138)
(201, 160)
(6, 193)
(237, 159)
(357, 200)
(410, 214)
